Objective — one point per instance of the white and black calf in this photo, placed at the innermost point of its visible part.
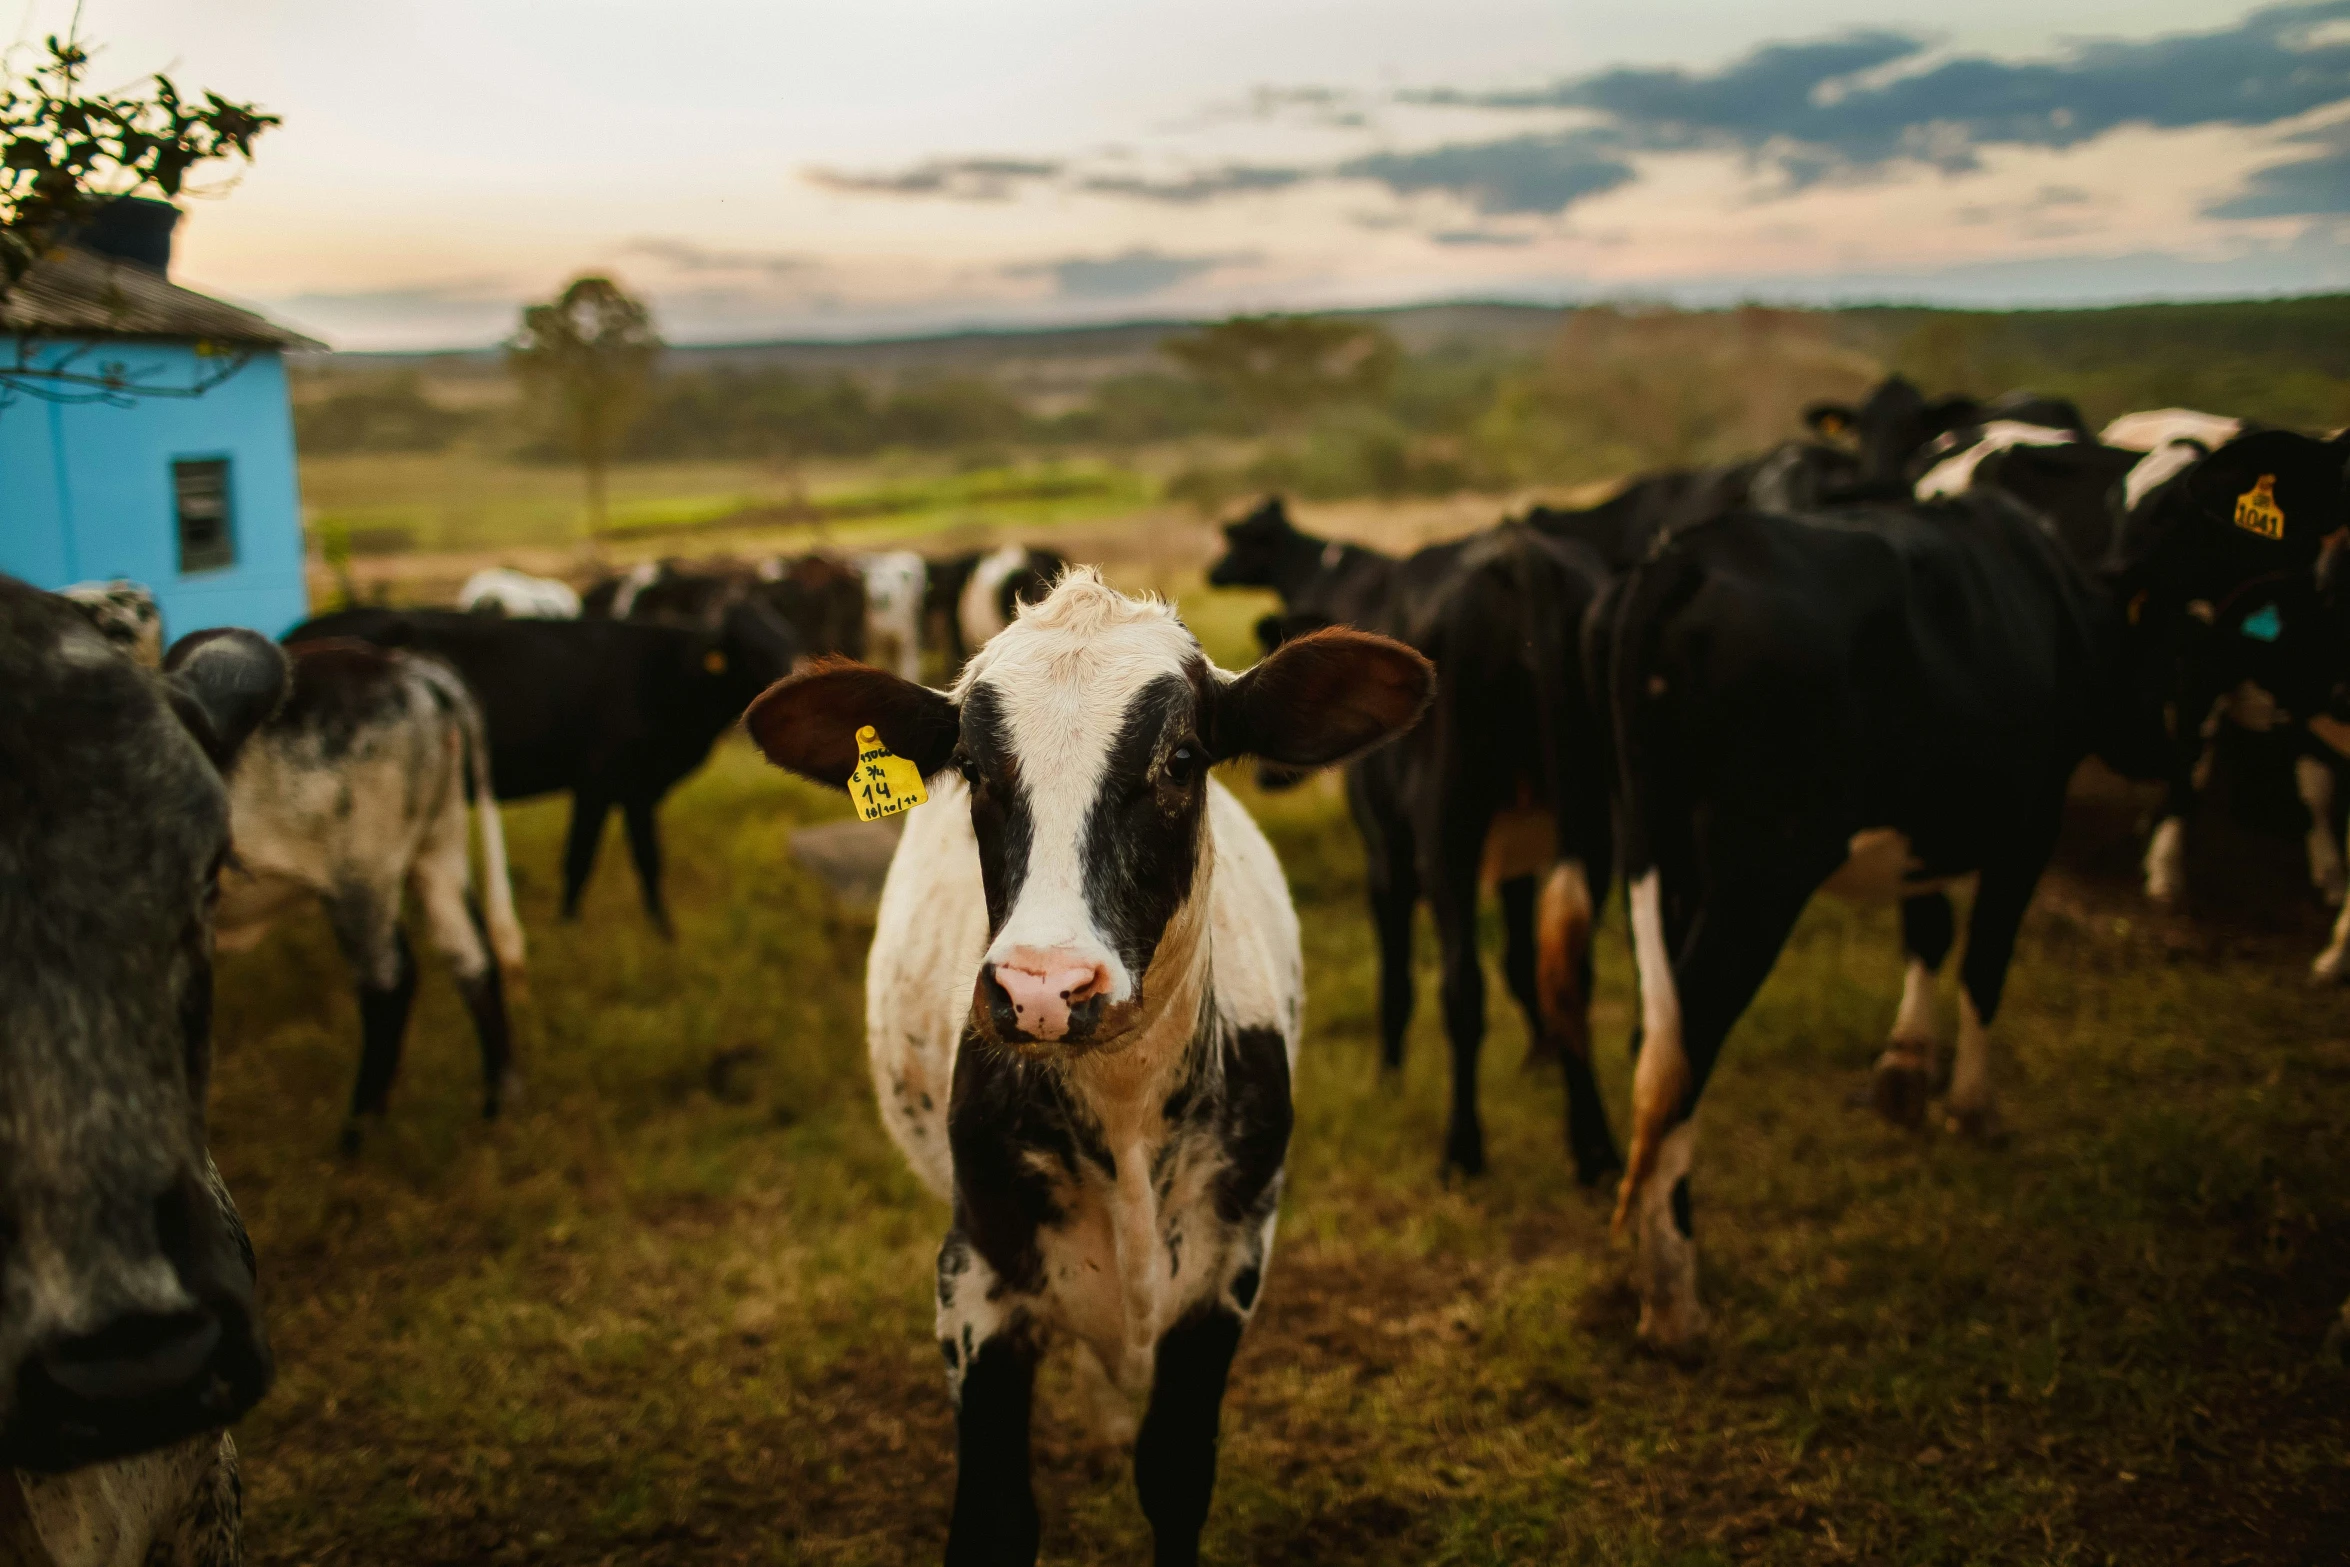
(129, 1336)
(895, 583)
(126, 614)
(353, 796)
(1878, 700)
(501, 590)
(1083, 1005)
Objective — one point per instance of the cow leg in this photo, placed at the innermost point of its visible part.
(579, 847)
(367, 928)
(1518, 965)
(1904, 1077)
(2313, 780)
(2001, 896)
(644, 847)
(454, 926)
(1452, 895)
(1175, 1456)
(1688, 1003)
(991, 1353)
(1563, 1008)
(1393, 883)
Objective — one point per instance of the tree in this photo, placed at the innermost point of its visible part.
(588, 358)
(1282, 368)
(66, 153)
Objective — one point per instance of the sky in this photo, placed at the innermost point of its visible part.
(771, 168)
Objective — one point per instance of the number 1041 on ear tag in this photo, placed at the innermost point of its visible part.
(883, 785)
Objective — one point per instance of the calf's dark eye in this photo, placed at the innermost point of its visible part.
(1183, 765)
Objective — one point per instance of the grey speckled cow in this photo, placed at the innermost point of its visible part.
(128, 1333)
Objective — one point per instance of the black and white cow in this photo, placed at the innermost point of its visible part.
(501, 590)
(1896, 423)
(352, 796)
(1083, 1005)
(126, 614)
(1879, 699)
(2220, 556)
(129, 1337)
(970, 598)
(896, 583)
(616, 712)
(1506, 783)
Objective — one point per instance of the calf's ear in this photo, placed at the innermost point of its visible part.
(224, 684)
(1321, 698)
(808, 722)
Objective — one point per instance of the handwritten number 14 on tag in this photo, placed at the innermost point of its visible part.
(883, 785)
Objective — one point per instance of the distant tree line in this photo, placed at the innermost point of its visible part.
(1333, 406)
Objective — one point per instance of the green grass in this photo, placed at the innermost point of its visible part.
(470, 501)
(659, 1315)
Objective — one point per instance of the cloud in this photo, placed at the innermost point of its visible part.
(1234, 179)
(1130, 274)
(962, 179)
(1519, 174)
(1864, 101)
(2307, 187)
(1859, 106)
(686, 256)
(1477, 237)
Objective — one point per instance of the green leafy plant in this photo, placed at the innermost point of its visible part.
(66, 152)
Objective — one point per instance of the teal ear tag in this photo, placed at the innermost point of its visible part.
(2264, 624)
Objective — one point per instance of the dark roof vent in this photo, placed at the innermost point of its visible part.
(136, 229)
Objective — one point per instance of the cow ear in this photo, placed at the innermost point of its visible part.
(1321, 698)
(808, 723)
(1828, 419)
(224, 684)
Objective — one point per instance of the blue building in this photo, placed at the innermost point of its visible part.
(145, 433)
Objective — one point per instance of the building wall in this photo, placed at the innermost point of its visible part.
(86, 489)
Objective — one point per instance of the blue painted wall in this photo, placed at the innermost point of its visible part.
(86, 489)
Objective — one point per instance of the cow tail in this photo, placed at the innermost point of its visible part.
(1660, 1076)
(498, 886)
(503, 928)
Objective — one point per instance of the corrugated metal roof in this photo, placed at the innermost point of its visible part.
(75, 293)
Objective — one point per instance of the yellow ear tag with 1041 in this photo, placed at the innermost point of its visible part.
(883, 785)
(2257, 510)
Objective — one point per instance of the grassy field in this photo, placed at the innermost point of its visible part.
(675, 1308)
(472, 501)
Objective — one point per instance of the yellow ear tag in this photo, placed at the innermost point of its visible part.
(714, 661)
(2257, 510)
(883, 785)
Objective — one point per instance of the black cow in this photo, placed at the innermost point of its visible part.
(1897, 422)
(129, 1336)
(820, 597)
(617, 712)
(1885, 697)
(1505, 779)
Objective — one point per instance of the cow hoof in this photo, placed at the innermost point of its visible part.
(2328, 967)
(348, 1144)
(1464, 1156)
(1899, 1088)
(1978, 1123)
(1678, 1336)
(1593, 1169)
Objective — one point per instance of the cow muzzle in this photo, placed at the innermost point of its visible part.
(150, 1372)
(1036, 996)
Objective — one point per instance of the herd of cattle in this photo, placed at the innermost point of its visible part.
(1869, 661)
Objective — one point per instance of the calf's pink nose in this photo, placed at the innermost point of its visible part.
(1044, 986)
